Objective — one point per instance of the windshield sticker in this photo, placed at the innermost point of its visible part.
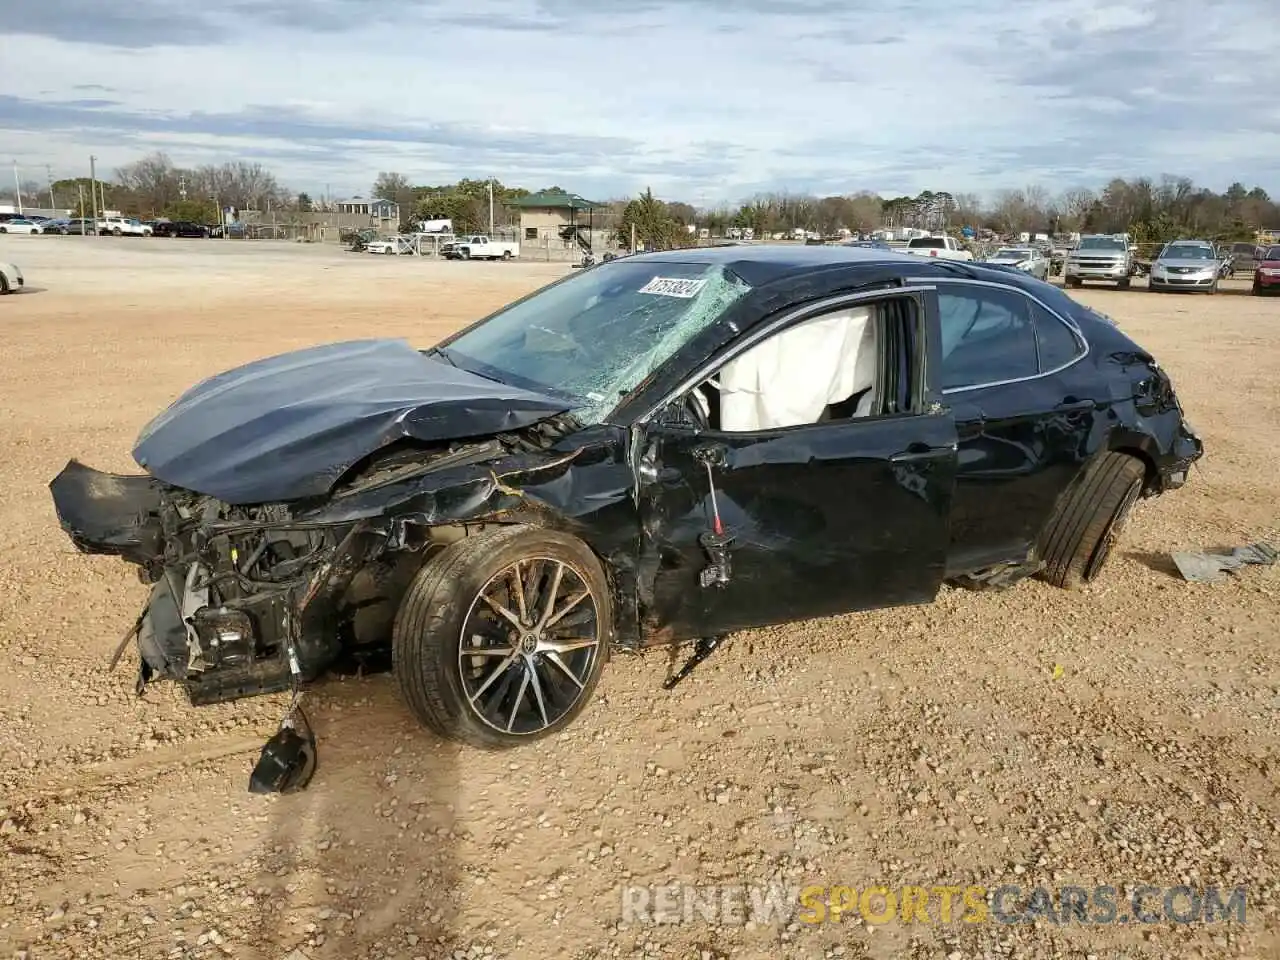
(673, 287)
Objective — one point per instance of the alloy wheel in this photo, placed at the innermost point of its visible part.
(528, 644)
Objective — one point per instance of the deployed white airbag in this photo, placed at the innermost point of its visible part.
(790, 378)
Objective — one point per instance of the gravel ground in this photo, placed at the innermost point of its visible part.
(1123, 735)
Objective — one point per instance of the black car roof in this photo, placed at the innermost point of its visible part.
(762, 263)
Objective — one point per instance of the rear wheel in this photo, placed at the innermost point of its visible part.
(1124, 284)
(501, 637)
(4, 285)
(116, 231)
(1079, 539)
(1072, 281)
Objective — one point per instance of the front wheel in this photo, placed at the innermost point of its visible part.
(116, 232)
(1079, 538)
(506, 254)
(501, 638)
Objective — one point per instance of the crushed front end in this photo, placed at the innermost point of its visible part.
(243, 599)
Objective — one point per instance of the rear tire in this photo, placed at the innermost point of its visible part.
(4, 285)
(1079, 538)
(436, 673)
(1124, 284)
(1072, 282)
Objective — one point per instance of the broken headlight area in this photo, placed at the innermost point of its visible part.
(245, 599)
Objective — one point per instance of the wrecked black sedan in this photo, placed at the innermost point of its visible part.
(663, 448)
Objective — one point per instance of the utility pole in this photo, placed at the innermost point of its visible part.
(491, 206)
(53, 204)
(17, 187)
(93, 190)
(80, 191)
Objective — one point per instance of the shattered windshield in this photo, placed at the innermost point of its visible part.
(599, 334)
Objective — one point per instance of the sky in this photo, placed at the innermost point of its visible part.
(705, 101)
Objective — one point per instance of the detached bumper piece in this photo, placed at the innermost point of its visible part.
(106, 513)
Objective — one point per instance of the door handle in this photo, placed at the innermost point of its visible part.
(918, 451)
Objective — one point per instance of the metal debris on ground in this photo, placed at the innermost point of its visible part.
(1204, 567)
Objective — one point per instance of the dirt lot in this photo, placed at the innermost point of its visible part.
(925, 746)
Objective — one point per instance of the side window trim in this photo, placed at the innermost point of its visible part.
(941, 285)
(767, 329)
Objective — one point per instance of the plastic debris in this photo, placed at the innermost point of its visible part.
(1205, 567)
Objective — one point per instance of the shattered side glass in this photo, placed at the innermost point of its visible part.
(598, 335)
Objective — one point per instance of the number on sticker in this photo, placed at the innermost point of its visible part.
(673, 287)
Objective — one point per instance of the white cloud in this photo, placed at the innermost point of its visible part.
(698, 98)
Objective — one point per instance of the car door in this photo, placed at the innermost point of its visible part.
(1024, 411)
(822, 517)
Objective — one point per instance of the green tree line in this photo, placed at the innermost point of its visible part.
(1152, 210)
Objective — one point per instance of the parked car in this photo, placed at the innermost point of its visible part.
(1107, 257)
(181, 228)
(55, 225)
(1027, 259)
(1245, 258)
(123, 227)
(389, 245)
(949, 248)
(1186, 265)
(11, 279)
(19, 225)
(82, 226)
(665, 447)
(868, 244)
(1266, 275)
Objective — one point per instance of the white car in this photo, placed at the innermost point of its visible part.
(123, 227)
(10, 278)
(390, 245)
(1027, 259)
(19, 225)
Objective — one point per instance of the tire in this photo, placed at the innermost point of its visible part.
(387, 251)
(116, 232)
(466, 253)
(1257, 289)
(4, 285)
(444, 600)
(506, 254)
(1124, 284)
(1079, 538)
(1073, 282)
(4, 229)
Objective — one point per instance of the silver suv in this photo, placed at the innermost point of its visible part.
(1186, 265)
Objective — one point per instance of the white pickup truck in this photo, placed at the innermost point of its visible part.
(946, 247)
(482, 248)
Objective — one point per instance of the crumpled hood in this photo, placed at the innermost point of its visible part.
(289, 426)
